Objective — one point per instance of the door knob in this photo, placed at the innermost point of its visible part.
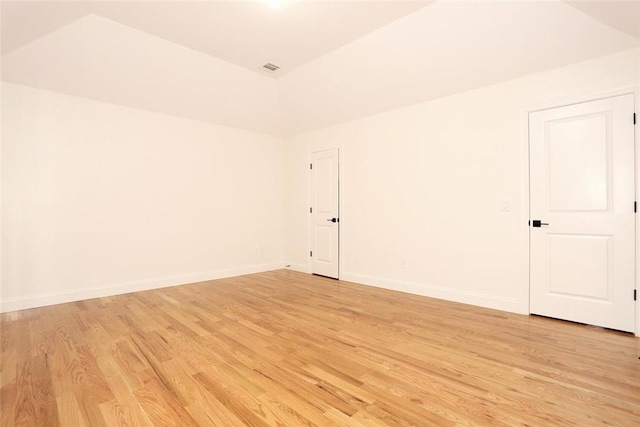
(334, 219)
(538, 223)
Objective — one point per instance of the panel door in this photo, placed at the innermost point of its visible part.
(582, 202)
(325, 213)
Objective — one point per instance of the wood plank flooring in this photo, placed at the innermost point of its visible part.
(288, 349)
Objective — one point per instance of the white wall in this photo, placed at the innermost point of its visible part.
(425, 184)
(100, 199)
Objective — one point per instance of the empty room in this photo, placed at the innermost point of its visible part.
(319, 213)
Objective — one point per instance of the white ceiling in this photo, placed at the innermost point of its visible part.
(622, 15)
(445, 48)
(340, 59)
(245, 33)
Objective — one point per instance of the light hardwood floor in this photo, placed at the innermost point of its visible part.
(289, 349)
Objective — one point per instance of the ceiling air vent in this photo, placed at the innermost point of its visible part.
(271, 67)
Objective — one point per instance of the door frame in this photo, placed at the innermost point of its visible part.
(525, 182)
(310, 225)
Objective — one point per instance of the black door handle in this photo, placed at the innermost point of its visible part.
(334, 219)
(537, 223)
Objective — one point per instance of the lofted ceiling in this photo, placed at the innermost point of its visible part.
(621, 15)
(339, 59)
(245, 33)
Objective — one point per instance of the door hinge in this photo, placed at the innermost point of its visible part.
(635, 294)
(311, 253)
(634, 118)
(310, 210)
(635, 207)
(310, 165)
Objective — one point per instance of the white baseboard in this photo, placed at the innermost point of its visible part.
(465, 297)
(41, 300)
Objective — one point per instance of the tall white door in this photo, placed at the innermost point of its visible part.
(324, 211)
(582, 228)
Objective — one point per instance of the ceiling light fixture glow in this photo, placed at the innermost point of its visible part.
(274, 3)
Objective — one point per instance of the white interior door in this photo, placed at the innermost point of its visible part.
(324, 213)
(582, 199)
